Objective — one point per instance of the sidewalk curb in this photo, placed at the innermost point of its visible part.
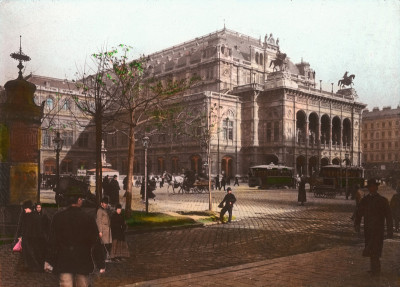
(132, 231)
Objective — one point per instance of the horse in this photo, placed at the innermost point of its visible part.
(346, 81)
(173, 181)
(279, 62)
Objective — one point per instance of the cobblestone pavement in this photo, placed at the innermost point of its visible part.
(271, 238)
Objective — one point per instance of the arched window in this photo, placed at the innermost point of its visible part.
(49, 103)
(257, 57)
(261, 59)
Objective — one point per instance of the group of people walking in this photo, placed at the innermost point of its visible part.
(74, 244)
(111, 189)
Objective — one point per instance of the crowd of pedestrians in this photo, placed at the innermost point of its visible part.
(75, 244)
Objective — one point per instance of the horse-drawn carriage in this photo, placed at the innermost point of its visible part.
(189, 183)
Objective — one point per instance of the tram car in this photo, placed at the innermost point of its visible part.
(270, 176)
(335, 179)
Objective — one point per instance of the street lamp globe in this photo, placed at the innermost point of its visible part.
(58, 143)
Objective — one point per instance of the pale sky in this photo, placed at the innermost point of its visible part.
(361, 37)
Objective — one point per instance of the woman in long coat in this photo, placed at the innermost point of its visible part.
(103, 224)
(119, 247)
(33, 238)
(302, 196)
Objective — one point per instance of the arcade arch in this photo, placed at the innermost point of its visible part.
(313, 128)
(227, 166)
(301, 123)
(301, 165)
(325, 129)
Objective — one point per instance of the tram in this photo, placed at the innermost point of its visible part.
(270, 176)
(334, 179)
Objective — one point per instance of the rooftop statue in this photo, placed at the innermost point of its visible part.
(280, 61)
(346, 81)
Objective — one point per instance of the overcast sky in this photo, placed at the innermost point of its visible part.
(362, 37)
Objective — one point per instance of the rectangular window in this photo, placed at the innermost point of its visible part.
(124, 139)
(383, 156)
(371, 145)
(83, 140)
(227, 127)
(46, 139)
(371, 135)
(114, 140)
(269, 132)
(276, 131)
(365, 145)
(372, 125)
(68, 138)
(383, 134)
(383, 124)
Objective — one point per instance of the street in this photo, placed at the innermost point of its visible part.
(268, 224)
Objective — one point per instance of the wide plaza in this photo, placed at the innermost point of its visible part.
(271, 242)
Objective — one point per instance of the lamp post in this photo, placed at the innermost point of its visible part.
(346, 155)
(58, 144)
(145, 142)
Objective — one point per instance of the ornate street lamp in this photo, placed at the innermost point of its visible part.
(145, 141)
(58, 144)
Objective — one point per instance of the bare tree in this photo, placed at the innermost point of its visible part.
(99, 92)
(143, 102)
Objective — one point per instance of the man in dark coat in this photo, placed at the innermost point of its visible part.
(375, 210)
(114, 191)
(73, 235)
(302, 196)
(229, 200)
(106, 186)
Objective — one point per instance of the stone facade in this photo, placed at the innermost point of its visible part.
(381, 140)
(268, 112)
(267, 115)
(62, 114)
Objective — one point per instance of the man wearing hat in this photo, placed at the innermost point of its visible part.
(375, 210)
(229, 200)
(73, 235)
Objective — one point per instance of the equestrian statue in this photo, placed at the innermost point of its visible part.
(280, 61)
(346, 81)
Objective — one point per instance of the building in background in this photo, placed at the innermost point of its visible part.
(381, 141)
(61, 114)
(270, 110)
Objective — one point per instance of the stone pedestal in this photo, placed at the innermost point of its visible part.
(350, 93)
(20, 120)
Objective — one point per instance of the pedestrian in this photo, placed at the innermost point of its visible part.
(223, 183)
(114, 191)
(217, 183)
(73, 235)
(125, 183)
(119, 249)
(302, 196)
(104, 226)
(236, 181)
(375, 210)
(106, 188)
(32, 235)
(229, 200)
(358, 195)
(395, 208)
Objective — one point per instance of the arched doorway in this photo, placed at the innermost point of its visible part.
(160, 165)
(312, 165)
(301, 126)
(175, 165)
(336, 161)
(195, 163)
(227, 166)
(313, 128)
(346, 132)
(301, 165)
(336, 131)
(325, 129)
(271, 158)
(324, 161)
